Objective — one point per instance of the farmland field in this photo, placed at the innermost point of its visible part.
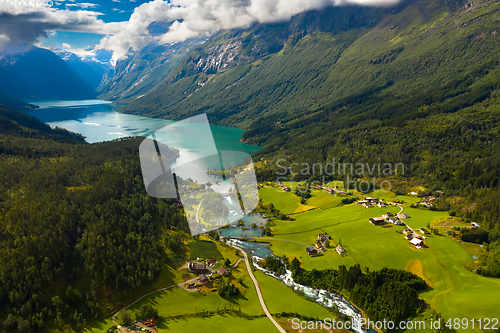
(441, 264)
(219, 323)
(174, 261)
(203, 249)
(286, 202)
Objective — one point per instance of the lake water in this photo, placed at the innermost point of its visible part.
(98, 121)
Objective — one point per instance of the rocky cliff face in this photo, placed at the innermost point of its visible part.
(136, 75)
(217, 58)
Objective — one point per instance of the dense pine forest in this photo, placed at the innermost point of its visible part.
(75, 222)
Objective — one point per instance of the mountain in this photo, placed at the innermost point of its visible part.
(15, 123)
(40, 74)
(240, 74)
(11, 102)
(418, 84)
(240, 77)
(144, 70)
(90, 68)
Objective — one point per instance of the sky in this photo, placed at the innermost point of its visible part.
(121, 26)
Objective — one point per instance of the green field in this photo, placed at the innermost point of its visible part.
(286, 202)
(324, 200)
(177, 301)
(219, 323)
(174, 261)
(455, 292)
(203, 249)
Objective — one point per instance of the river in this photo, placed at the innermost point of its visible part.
(258, 251)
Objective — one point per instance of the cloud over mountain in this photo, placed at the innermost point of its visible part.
(191, 18)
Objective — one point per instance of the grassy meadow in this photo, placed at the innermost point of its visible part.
(455, 292)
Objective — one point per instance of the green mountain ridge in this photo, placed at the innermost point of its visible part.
(258, 69)
(417, 85)
(136, 75)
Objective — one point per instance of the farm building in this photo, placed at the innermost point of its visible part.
(286, 188)
(387, 215)
(321, 237)
(423, 230)
(407, 232)
(319, 245)
(403, 216)
(475, 224)
(340, 250)
(223, 270)
(416, 242)
(211, 262)
(377, 220)
(196, 268)
(311, 250)
(150, 322)
(330, 190)
(203, 278)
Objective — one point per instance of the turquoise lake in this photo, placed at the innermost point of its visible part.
(98, 121)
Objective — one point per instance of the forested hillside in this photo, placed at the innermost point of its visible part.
(240, 75)
(75, 224)
(417, 84)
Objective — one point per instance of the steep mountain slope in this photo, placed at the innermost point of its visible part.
(261, 68)
(88, 68)
(144, 70)
(11, 102)
(13, 122)
(41, 74)
(431, 48)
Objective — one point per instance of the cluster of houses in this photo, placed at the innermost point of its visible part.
(320, 245)
(198, 268)
(414, 238)
(329, 190)
(386, 218)
(427, 202)
(150, 322)
(369, 202)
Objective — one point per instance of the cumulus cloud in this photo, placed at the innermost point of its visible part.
(195, 18)
(83, 5)
(28, 27)
(66, 46)
(192, 18)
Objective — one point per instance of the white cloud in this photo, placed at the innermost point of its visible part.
(66, 46)
(83, 5)
(202, 17)
(28, 27)
(192, 18)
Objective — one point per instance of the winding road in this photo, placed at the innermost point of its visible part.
(256, 284)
